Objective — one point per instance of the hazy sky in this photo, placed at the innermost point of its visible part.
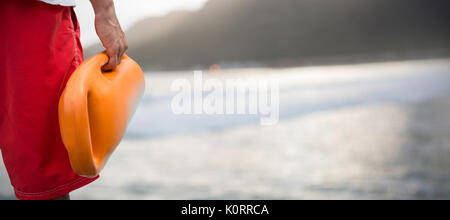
(129, 12)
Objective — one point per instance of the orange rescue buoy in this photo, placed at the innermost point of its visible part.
(94, 111)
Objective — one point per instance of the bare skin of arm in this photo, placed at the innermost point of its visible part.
(109, 31)
(112, 37)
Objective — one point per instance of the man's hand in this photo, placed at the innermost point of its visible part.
(109, 31)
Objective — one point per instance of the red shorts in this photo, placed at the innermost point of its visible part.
(39, 49)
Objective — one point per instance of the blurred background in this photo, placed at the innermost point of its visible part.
(364, 101)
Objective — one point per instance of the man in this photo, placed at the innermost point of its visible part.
(39, 49)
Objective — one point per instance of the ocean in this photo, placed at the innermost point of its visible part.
(363, 131)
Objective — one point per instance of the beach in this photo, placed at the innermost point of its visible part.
(367, 131)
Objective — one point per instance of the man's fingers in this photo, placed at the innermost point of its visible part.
(115, 57)
(112, 63)
(122, 51)
(119, 57)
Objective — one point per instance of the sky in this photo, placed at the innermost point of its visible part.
(129, 12)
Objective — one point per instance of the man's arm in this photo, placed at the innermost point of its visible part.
(109, 31)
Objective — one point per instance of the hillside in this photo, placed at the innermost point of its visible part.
(227, 31)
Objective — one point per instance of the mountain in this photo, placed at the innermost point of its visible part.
(229, 31)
